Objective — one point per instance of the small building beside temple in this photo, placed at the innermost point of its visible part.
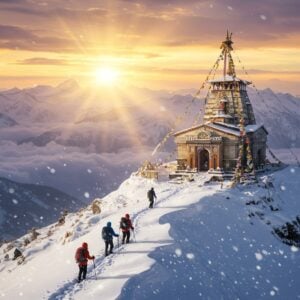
(229, 137)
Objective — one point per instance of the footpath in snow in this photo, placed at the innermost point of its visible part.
(132, 259)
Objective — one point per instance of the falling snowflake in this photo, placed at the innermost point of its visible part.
(178, 252)
(292, 170)
(263, 17)
(282, 187)
(294, 249)
(11, 190)
(258, 267)
(229, 8)
(272, 293)
(89, 171)
(235, 248)
(190, 256)
(258, 256)
(15, 201)
(86, 195)
(52, 171)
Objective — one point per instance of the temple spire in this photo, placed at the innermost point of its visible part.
(226, 47)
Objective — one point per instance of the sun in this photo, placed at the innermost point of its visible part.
(106, 76)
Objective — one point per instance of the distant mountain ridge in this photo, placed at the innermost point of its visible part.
(24, 206)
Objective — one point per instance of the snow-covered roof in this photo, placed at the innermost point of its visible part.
(255, 127)
(231, 129)
(188, 129)
(227, 129)
(229, 78)
(224, 127)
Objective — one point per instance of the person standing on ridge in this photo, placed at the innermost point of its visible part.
(151, 195)
(125, 226)
(82, 255)
(107, 235)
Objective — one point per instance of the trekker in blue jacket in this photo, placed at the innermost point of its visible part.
(107, 235)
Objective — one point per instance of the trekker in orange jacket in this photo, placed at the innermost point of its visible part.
(82, 255)
(125, 226)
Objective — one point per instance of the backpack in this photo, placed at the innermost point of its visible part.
(150, 194)
(123, 223)
(105, 234)
(79, 255)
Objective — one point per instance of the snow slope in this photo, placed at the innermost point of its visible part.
(200, 241)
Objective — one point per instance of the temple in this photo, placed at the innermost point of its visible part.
(229, 138)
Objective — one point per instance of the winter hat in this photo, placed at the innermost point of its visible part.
(108, 224)
(127, 216)
(84, 245)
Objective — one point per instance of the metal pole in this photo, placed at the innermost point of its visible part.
(95, 269)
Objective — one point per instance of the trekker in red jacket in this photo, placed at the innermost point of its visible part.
(82, 255)
(125, 226)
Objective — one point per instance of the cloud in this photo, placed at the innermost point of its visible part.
(170, 23)
(14, 32)
(14, 37)
(42, 61)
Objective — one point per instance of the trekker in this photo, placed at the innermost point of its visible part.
(82, 255)
(107, 235)
(151, 195)
(125, 226)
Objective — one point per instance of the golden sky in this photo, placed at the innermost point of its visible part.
(161, 44)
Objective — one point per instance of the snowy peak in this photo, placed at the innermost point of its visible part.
(68, 85)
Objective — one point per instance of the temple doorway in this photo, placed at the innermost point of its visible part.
(203, 160)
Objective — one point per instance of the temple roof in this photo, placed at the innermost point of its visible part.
(226, 128)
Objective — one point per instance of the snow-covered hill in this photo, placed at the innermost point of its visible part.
(24, 206)
(201, 240)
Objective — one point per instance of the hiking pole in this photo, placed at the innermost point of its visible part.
(95, 269)
(134, 235)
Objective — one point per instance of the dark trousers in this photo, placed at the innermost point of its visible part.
(151, 203)
(82, 271)
(111, 246)
(126, 236)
